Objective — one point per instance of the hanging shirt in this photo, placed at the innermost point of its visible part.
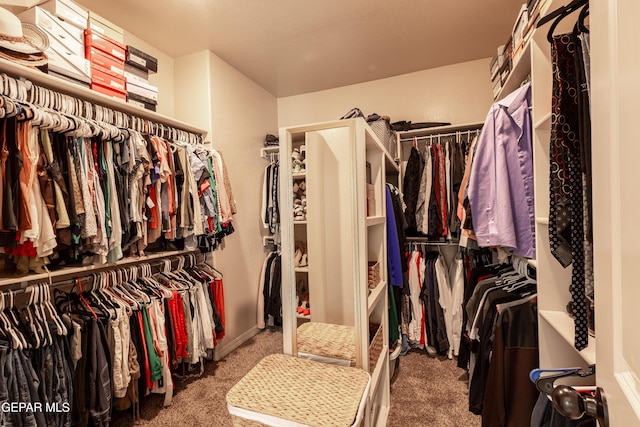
(501, 181)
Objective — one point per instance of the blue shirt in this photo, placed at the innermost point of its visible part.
(393, 246)
(501, 181)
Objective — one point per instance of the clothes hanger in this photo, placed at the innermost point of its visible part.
(83, 300)
(34, 327)
(12, 314)
(581, 26)
(568, 10)
(53, 314)
(8, 329)
(575, 4)
(123, 294)
(42, 315)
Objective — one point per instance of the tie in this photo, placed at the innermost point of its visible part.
(566, 213)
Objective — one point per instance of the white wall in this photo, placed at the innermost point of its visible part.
(163, 78)
(459, 93)
(240, 113)
(192, 86)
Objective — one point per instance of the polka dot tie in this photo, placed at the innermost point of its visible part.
(566, 213)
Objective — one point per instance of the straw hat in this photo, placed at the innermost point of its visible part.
(21, 42)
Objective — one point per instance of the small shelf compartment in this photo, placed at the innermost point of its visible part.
(563, 325)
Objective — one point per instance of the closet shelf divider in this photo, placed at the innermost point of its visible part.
(375, 295)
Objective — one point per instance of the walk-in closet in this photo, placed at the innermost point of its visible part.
(318, 214)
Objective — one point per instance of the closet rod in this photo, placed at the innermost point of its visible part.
(424, 241)
(86, 280)
(71, 278)
(69, 272)
(440, 135)
(31, 76)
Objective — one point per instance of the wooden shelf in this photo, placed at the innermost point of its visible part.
(265, 151)
(545, 121)
(375, 220)
(543, 220)
(375, 295)
(301, 269)
(299, 175)
(563, 324)
(69, 272)
(300, 222)
(81, 92)
(383, 358)
(407, 136)
(521, 69)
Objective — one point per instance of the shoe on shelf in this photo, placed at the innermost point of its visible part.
(302, 307)
(307, 309)
(303, 261)
(297, 257)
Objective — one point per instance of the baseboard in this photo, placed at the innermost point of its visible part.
(225, 348)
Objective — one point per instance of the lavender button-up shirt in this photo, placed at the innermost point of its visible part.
(501, 182)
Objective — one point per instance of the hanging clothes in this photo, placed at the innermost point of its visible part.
(411, 188)
(69, 199)
(433, 311)
(501, 179)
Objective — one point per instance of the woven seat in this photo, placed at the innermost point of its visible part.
(289, 391)
(328, 343)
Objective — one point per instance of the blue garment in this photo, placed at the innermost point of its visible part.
(501, 182)
(393, 245)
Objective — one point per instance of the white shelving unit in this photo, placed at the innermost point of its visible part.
(81, 92)
(556, 327)
(340, 239)
(50, 82)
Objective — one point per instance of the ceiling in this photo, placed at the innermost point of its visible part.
(291, 47)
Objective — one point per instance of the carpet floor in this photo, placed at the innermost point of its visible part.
(425, 391)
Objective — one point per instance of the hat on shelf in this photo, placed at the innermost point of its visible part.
(21, 42)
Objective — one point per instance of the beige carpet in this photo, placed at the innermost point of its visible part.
(426, 391)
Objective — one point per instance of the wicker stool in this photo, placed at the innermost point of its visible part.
(327, 343)
(288, 391)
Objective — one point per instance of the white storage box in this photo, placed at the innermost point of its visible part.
(67, 36)
(106, 27)
(68, 11)
(143, 89)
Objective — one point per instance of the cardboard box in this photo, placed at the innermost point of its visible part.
(105, 78)
(68, 11)
(68, 36)
(135, 73)
(109, 91)
(143, 89)
(105, 44)
(142, 60)
(106, 27)
(141, 101)
(72, 66)
(70, 79)
(101, 59)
